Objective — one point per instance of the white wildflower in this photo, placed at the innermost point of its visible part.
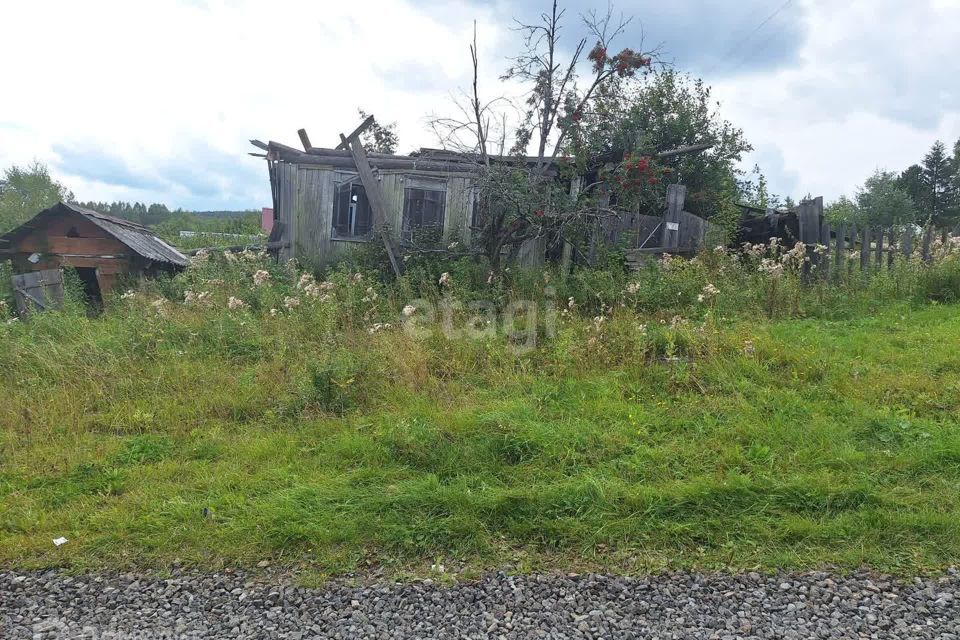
(371, 295)
(189, 297)
(771, 268)
(633, 288)
(260, 277)
(409, 310)
(129, 293)
(379, 326)
(236, 303)
(291, 302)
(444, 279)
(571, 303)
(305, 280)
(273, 312)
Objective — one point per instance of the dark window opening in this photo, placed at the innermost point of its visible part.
(423, 209)
(478, 215)
(352, 217)
(91, 287)
(73, 233)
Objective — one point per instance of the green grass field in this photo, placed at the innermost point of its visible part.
(214, 440)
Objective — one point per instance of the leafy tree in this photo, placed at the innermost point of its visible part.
(667, 110)
(521, 200)
(377, 137)
(882, 202)
(844, 210)
(911, 181)
(938, 174)
(25, 191)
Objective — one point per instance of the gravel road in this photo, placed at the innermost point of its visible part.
(816, 605)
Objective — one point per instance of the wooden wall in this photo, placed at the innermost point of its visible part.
(93, 248)
(306, 200)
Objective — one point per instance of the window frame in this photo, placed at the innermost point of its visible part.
(352, 218)
(425, 186)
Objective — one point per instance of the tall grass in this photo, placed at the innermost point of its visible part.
(756, 421)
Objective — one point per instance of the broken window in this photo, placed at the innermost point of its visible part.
(352, 217)
(424, 204)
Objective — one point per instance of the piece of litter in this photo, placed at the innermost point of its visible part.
(60, 541)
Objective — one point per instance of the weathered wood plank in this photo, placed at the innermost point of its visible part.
(40, 290)
(355, 134)
(304, 139)
(838, 242)
(927, 239)
(879, 246)
(670, 232)
(865, 249)
(375, 197)
(906, 242)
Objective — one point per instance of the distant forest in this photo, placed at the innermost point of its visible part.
(168, 224)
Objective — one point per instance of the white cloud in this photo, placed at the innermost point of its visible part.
(874, 86)
(156, 101)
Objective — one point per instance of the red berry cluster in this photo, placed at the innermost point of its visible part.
(635, 171)
(625, 64)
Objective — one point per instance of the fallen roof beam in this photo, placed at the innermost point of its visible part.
(356, 133)
(375, 198)
(679, 151)
(304, 139)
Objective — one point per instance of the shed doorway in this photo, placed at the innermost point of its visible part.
(91, 287)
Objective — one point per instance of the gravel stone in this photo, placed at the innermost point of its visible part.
(53, 605)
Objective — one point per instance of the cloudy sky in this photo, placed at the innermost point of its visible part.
(156, 101)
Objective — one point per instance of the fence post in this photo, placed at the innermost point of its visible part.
(879, 254)
(865, 249)
(852, 246)
(906, 242)
(841, 233)
(891, 248)
(808, 217)
(676, 194)
(823, 259)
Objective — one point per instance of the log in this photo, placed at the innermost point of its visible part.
(304, 139)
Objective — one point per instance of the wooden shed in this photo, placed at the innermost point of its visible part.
(100, 247)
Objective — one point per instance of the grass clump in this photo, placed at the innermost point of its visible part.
(245, 411)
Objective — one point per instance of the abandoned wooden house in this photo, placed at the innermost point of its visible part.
(325, 200)
(100, 247)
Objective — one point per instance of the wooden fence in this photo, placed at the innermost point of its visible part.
(832, 245)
